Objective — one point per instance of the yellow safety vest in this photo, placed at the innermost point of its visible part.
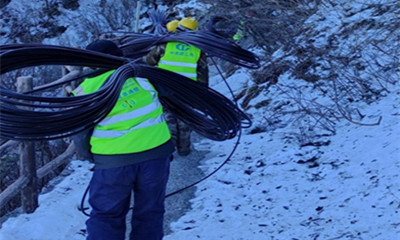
(135, 124)
(181, 58)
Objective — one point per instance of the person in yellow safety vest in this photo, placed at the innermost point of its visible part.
(184, 59)
(239, 34)
(132, 150)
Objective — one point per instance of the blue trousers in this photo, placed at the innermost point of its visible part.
(110, 194)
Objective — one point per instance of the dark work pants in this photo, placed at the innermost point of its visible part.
(110, 194)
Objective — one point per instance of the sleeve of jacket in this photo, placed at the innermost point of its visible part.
(152, 59)
(82, 139)
(202, 69)
(82, 144)
(155, 54)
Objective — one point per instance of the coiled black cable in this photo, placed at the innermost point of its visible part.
(205, 110)
(84, 209)
(137, 45)
(159, 20)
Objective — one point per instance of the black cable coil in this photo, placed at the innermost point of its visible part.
(205, 110)
(135, 45)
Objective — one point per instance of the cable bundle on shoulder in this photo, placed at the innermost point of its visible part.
(159, 20)
(205, 110)
(53, 117)
(16, 56)
(137, 45)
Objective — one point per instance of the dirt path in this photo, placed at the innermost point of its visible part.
(184, 171)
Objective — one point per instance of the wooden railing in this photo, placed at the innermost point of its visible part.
(24, 181)
(26, 184)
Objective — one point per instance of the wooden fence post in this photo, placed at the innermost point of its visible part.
(29, 194)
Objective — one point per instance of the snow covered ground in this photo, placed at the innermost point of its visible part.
(347, 188)
(270, 189)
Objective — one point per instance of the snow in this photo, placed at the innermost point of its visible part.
(352, 194)
(192, 6)
(271, 188)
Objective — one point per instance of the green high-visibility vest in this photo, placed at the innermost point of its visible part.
(181, 58)
(135, 124)
(239, 33)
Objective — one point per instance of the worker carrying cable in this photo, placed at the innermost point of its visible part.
(184, 59)
(132, 150)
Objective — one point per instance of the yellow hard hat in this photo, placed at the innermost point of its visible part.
(189, 23)
(172, 25)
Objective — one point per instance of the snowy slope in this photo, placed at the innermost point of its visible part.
(346, 188)
(351, 190)
(270, 189)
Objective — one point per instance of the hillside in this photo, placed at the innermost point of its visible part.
(321, 160)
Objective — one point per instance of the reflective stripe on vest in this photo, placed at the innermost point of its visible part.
(181, 58)
(137, 112)
(112, 133)
(129, 115)
(135, 124)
